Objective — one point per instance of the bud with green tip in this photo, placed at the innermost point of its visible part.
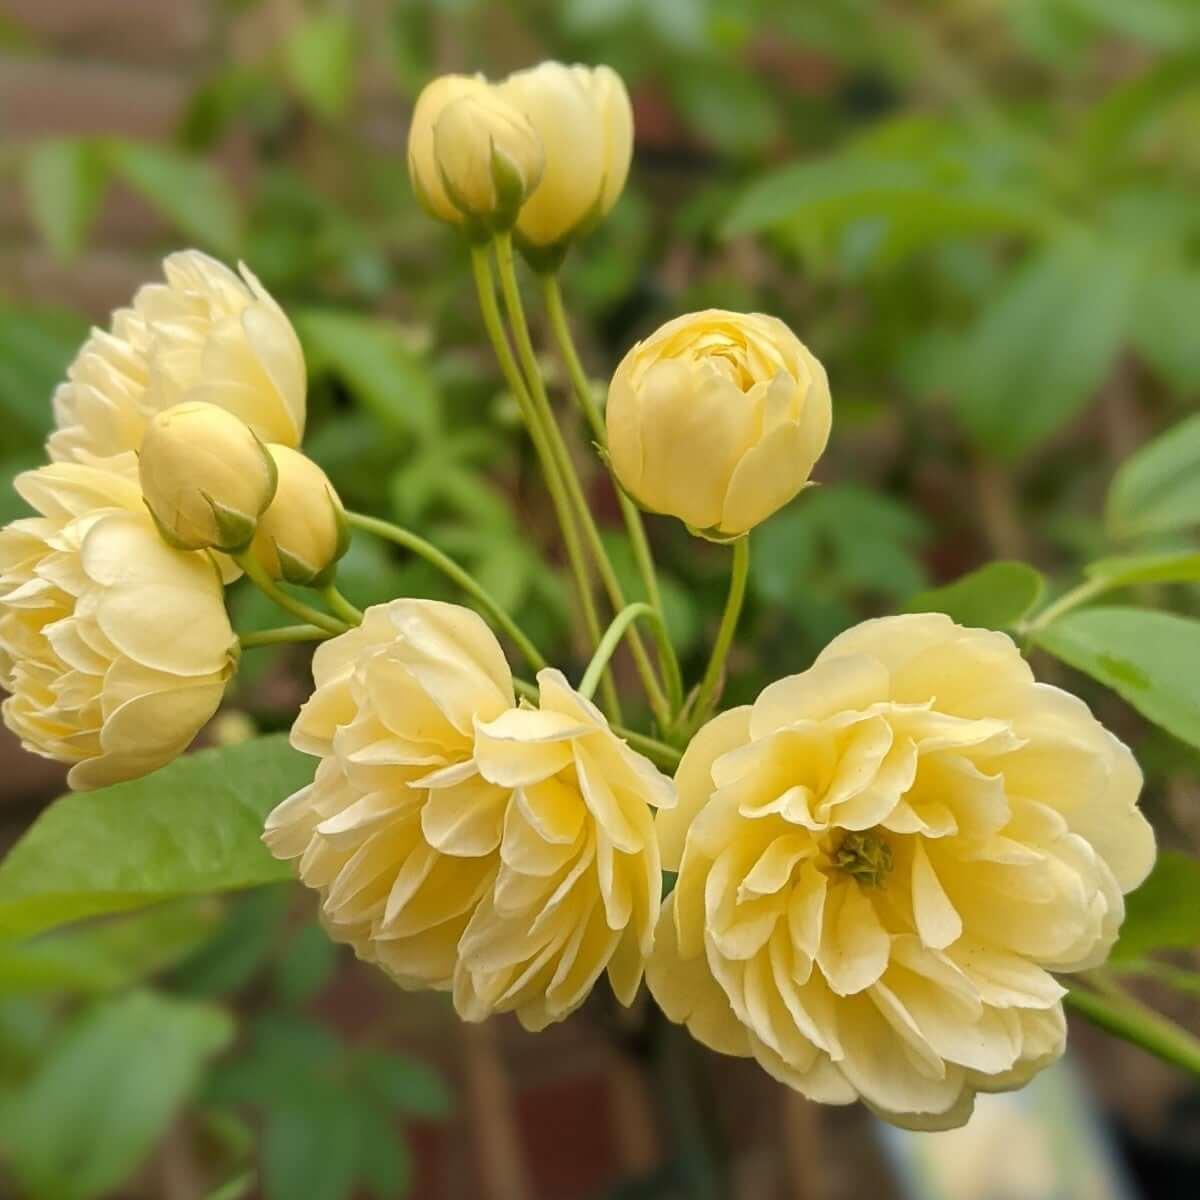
(303, 533)
(205, 476)
(489, 159)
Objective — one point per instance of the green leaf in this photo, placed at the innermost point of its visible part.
(65, 180)
(996, 596)
(306, 965)
(310, 1145)
(105, 955)
(188, 192)
(319, 57)
(1158, 488)
(407, 1086)
(191, 828)
(1127, 570)
(1164, 913)
(112, 1085)
(385, 1161)
(1036, 354)
(1152, 659)
(390, 380)
(36, 345)
(1164, 325)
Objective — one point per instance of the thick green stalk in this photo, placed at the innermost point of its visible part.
(1131, 1020)
(493, 323)
(283, 635)
(265, 584)
(612, 638)
(710, 685)
(341, 606)
(561, 328)
(469, 584)
(541, 405)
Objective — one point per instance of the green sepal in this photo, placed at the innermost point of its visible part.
(167, 536)
(510, 188)
(295, 570)
(543, 260)
(715, 535)
(234, 529)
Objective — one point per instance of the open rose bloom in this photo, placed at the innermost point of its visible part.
(882, 860)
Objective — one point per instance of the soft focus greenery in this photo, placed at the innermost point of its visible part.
(981, 215)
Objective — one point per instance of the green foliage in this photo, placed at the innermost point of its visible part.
(96, 1105)
(191, 828)
(1152, 659)
(64, 185)
(1164, 913)
(319, 56)
(35, 347)
(1157, 490)
(996, 596)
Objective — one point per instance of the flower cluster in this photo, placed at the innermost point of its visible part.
(878, 866)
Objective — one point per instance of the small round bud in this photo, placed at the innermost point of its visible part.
(422, 166)
(205, 476)
(489, 158)
(303, 533)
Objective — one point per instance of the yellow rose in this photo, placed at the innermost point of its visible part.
(303, 532)
(460, 842)
(115, 647)
(585, 122)
(205, 335)
(422, 165)
(579, 880)
(882, 860)
(205, 476)
(717, 419)
(488, 158)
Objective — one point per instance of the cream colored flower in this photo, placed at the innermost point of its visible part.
(459, 841)
(115, 647)
(585, 122)
(205, 476)
(488, 157)
(579, 876)
(303, 532)
(205, 335)
(882, 860)
(423, 168)
(717, 419)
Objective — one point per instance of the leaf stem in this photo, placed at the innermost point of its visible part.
(494, 324)
(561, 328)
(258, 576)
(1127, 1018)
(283, 635)
(469, 584)
(1076, 596)
(710, 686)
(612, 637)
(541, 404)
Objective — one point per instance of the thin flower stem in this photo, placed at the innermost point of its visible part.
(541, 405)
(710, 686)
(493, 322)
(1128, 1018)
(612, 637)
(561, 328)
(265, 584)
(658, 752)
(283, 635)
(469, 584)
(341, 606)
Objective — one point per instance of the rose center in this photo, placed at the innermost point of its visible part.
(863, 856)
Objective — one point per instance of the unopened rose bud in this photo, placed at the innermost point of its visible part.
(717, 419)
(205, 476)
(488, 157)
(422, 165)
(585, 122)
(303, 533)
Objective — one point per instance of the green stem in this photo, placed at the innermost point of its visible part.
(612, 637)
(1087, 590)
(283, 635)
(1130, 1019)
(341, 606)
(541, 405)
(561, 328)
(658, 752)
(469, 584)
(265, 584)
(493, 322)
(710, 686)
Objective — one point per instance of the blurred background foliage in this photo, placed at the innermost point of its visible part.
(982, 215)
